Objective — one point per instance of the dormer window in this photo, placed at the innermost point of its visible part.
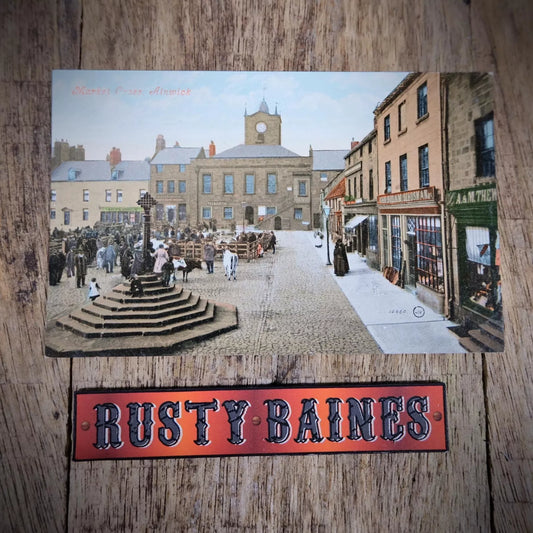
(73, 173)
(117, 174)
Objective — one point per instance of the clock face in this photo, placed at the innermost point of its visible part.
(261, 127)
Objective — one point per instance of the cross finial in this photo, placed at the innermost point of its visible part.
(146, 201)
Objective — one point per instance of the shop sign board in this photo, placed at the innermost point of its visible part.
(128, 424)
(426, 194)
(471, 196)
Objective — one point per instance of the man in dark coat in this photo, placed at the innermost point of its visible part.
(70, 263)
(273, 242)
(166, 272)
(80, 266)
(209, 256)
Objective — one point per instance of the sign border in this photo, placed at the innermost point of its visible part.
(382, 384)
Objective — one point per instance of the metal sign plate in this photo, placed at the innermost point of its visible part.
(126, 424)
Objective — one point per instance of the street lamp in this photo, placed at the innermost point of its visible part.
(243, 217)
(327, 209)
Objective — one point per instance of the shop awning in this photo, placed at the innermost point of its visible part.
(355, 221)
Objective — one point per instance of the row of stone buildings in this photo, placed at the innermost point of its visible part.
(259, 183)
(418, 194)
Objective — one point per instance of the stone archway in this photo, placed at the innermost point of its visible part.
(277, 223)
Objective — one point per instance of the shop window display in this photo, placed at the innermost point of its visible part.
(429, 253)
(483, 265)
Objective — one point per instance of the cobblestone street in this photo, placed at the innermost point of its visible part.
(288, 304)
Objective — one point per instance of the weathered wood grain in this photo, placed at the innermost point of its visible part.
(473, 487)
(510, 376)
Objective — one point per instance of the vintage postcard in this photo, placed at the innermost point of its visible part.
(291, 213)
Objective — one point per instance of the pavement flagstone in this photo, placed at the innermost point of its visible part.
(396, 319)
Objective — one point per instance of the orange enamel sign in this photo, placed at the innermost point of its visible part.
(259, 421)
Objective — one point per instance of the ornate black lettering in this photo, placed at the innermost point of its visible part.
(334, 420)
(391, 417)
(107, 428)
(361, 417)
(279, 428)
(147, 423)
(418, 418)
(169, 423)
(309, 421)
(236, 412)
(202, 425)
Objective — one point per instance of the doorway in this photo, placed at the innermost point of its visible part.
(249, 214)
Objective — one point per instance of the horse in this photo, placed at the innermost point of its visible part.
(190, 264)
(230, 260)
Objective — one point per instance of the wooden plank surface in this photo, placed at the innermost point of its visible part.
(483, 482)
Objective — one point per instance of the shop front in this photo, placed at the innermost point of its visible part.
(475, 253)
(361, 230)
(412, 243)
(121, 215)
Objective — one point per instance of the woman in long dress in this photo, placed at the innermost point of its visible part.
(161, 257)
(340, 259)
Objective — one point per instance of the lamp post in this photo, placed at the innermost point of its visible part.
(327, 209)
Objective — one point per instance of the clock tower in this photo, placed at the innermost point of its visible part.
(262, 127)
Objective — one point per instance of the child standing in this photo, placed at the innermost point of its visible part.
(93, 290)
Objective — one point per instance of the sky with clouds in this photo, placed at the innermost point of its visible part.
(128, 109)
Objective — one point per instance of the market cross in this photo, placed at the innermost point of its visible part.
(146, 202)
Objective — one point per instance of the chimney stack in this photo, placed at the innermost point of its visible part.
(212, 149)
(353, 144)
(160, 143)
(115, 157)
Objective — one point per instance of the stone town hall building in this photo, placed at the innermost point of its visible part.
(259, 182)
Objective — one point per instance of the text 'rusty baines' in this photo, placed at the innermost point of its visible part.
(260, 421)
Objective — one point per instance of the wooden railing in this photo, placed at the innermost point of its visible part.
(245, 250)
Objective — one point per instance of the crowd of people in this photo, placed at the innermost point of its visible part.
(110, 247)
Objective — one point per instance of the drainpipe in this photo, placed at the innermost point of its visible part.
(449, 287)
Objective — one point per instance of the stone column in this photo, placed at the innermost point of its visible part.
(146, 202)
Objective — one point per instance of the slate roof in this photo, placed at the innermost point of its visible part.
(134, 170)
(101, 171)
(243, 151)
(328, 159)
(176, 155)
